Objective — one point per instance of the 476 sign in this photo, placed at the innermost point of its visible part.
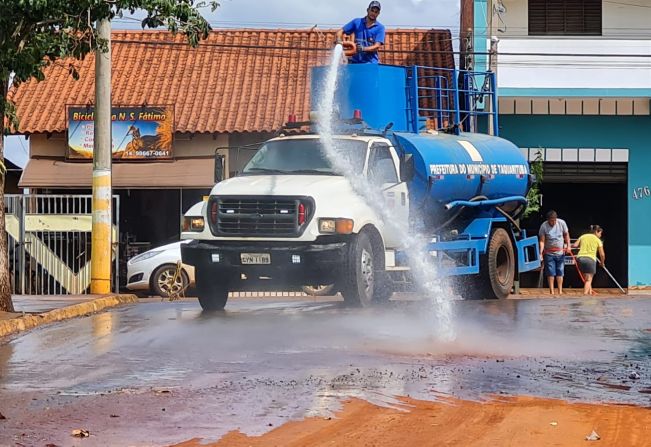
(641, 192)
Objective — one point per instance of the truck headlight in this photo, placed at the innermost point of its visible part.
(339, 226)
(193, 224)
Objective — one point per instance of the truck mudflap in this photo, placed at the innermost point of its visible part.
(283, 263)
(527, 252)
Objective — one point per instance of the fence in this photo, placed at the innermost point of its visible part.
(49, 243)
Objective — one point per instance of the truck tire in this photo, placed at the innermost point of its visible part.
(358, 283)
(496, 271)
(384, 288)
(501, 263)
(212, 296)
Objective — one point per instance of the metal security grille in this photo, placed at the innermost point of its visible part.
(254, 217)
(49, 243)
(565, 17)
(585, 172)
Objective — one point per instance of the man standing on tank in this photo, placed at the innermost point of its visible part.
(369, 36)
(554, 240)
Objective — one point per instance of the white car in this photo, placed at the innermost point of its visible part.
(155, 271)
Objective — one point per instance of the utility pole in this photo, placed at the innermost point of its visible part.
(467, 25)
(491, 35)
(101, 249)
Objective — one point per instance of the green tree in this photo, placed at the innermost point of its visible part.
(37, 33)
(534, 194)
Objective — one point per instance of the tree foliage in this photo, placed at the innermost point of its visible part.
(534, 195)
(37, 33)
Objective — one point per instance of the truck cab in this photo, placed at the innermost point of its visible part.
(290, 219)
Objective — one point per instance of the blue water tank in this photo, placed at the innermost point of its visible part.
(450, 167)
(379, 91)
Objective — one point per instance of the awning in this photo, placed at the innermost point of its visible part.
(182, 173)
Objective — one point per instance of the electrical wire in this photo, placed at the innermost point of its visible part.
(312, 48)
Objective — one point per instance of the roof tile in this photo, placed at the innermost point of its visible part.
(245, 80)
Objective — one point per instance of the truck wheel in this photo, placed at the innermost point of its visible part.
(384, 288)
(320, 290)
(496, 271)
(212, 296)
(358, 286)
(501, 263)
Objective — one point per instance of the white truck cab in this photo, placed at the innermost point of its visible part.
(290, 220)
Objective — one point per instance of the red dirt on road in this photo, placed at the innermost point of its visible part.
(501, 422)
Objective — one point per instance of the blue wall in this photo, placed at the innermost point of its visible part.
(622, 132)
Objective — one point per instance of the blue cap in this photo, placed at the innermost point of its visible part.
(374, 5)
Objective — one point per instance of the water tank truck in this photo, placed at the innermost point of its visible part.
(290, 219)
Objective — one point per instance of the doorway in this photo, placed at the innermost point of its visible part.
(582, 204)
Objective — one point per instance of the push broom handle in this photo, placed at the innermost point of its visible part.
(611, 276)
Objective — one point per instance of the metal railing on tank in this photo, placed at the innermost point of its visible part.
(452, 100)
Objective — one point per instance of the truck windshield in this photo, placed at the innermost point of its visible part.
(304, 156)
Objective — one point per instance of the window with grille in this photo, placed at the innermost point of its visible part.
(565, 17)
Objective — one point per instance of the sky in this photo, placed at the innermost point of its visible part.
(299, 14)
(327, 13)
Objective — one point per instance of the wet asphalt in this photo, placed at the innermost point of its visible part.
(163, 372)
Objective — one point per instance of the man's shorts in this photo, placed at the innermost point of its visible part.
(587, 265)
(554, 264)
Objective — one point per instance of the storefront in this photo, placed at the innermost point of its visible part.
(595, 171)
(175, 108)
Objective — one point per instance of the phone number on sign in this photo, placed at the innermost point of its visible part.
(641, 192)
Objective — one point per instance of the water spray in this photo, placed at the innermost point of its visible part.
(423, 272)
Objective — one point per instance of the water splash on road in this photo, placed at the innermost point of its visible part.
(423, 271)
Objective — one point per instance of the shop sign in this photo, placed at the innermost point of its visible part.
(139, 133)
(641, 192)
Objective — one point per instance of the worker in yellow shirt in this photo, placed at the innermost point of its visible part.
(589, 245)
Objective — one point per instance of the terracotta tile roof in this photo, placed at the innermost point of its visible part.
(245, 80)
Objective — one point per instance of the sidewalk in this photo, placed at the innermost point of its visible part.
(44, 303)
(36, 310)
(573, 293)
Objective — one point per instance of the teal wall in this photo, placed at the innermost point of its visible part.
(621, 132)
(481, 34)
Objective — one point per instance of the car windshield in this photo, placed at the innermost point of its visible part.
(304, 156)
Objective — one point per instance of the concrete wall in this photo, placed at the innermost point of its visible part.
(632, 132)
(625, 32)
(619, 19)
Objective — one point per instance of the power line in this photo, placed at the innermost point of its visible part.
(309, 48)
(635, 5)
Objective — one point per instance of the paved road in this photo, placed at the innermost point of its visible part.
(161, 372)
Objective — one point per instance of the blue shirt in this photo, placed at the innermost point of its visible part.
(365, 37)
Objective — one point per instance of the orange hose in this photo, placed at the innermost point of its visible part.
(350, 48)
(576, 264)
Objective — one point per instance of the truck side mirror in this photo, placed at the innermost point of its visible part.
(220, 167)
(407, 168)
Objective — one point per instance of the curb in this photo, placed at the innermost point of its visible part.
(30, 321)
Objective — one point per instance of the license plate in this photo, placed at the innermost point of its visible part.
(255, 258)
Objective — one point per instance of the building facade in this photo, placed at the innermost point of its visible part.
(574, 81)
(224, 97)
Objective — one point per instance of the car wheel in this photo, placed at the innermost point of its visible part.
(166, 282)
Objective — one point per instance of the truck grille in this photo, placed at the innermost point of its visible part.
(279, 217)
